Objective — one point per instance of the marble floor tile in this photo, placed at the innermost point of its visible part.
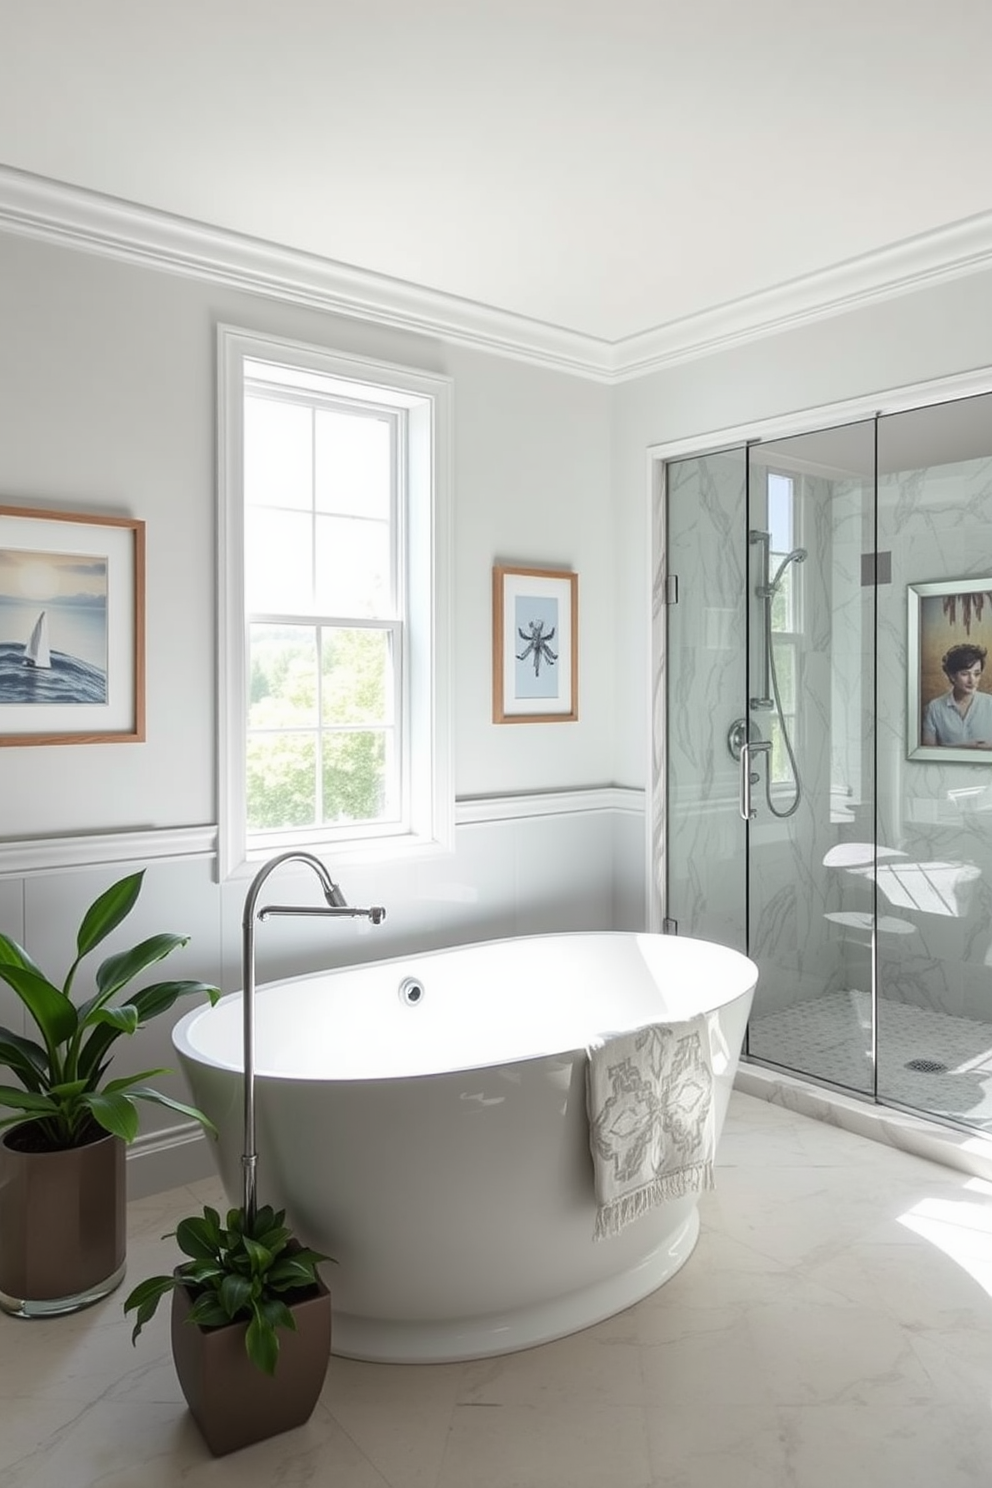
(397, 1416)
(556, 1446)
(584, 1371)
(893, 1446)
(735, 1446)
(833, 1326)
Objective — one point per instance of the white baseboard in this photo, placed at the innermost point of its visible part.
(168, 1159)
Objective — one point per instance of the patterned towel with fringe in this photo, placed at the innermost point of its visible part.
(649, 1097)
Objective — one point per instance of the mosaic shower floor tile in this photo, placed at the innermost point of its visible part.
(927, 1060)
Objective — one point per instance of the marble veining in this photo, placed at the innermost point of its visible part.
(834, 1326)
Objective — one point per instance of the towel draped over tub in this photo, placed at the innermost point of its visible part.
(649, 1097)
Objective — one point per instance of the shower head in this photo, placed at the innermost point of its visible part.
(798, 555)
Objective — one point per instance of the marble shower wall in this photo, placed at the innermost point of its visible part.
(798, 932)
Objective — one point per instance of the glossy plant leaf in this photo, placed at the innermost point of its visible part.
(51, 1009)
(115, 1113)
(12, 954)
(107, 912)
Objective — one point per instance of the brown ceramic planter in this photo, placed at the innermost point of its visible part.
(62, 1226)
(231, 1400)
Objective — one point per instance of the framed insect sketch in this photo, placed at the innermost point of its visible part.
(72, 628)
(535, 645)
(949, 673)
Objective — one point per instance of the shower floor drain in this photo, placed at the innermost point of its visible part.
(927, 1066)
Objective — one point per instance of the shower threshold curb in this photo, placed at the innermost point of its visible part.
(968, 1152)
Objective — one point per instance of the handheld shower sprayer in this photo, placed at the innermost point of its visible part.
(771, 698)
(798, 555)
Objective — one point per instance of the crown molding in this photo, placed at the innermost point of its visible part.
(71, 216)
(916, 263)
(36, 207)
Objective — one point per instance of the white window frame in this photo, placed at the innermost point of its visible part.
(425, 535)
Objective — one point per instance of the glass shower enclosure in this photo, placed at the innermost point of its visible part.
(821, 591)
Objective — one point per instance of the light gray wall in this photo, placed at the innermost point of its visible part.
(107, 405)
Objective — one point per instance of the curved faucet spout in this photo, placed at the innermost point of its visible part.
(335, 905)
(332, 892)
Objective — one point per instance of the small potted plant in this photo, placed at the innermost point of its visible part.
(245, 1282)
(251, 1277)
(69, 1124)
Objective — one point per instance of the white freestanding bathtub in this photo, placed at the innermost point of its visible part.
(423, 1121)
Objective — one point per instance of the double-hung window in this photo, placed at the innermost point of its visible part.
(333, 563)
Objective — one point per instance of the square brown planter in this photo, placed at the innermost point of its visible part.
(232, 1401)
(63, 1226)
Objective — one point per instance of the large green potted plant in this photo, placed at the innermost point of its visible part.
(247, 1282)
(62, 1182)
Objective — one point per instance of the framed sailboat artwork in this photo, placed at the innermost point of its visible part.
(72, 628)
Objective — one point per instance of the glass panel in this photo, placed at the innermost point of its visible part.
(354, 776)
(935, 803)
(278, 467)
(706, 519)
(781, 502)
(354, 465)
(785, 672)
(356, 677)
(811, 691)
(353, 567)
(282, 781)
(282, 691)
(278, 561)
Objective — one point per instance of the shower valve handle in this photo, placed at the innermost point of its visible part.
(748, 777)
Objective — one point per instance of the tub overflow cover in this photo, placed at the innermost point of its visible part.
(411, 991)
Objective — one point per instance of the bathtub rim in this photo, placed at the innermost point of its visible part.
(186, 1049)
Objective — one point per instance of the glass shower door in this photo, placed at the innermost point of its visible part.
(811, 683)
(935, 787)
(705, 838)
(834, 614)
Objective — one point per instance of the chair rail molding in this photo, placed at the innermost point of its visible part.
(23, 857)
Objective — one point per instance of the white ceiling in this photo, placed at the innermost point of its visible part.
(608, 168)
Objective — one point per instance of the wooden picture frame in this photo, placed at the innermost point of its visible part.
(535, 645)
(947, 623)
(72, 628)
